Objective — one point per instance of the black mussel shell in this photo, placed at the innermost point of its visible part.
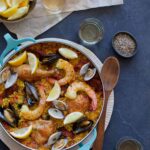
(30, 101)
(50, 58)
(31, 91)
(82, 125)
(13, 122)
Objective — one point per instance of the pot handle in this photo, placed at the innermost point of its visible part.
(12, 46)
(89, 144)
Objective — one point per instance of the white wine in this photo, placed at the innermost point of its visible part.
(91, 31)
(53, 6)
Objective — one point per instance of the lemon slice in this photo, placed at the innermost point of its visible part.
(9, 3)
(19, 13)
(33, 62)
(73, 117)
(67, 53)
(22, 133)
(54, 93)
(3, 5)
(19, 60)
(9, 12)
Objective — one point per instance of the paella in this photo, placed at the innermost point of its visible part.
(50, 96)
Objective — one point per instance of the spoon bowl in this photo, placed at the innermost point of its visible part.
(110, 73)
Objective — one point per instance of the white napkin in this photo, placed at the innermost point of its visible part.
(40, 20)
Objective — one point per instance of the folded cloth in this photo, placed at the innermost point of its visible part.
(37, 23)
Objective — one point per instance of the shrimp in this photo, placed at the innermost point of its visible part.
(69, 70)
(24, 73)
(82, 86)
(42, 130)
(28, 114)
(75, 105)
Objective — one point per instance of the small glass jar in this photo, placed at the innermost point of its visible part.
(129, 144)
(91, 31)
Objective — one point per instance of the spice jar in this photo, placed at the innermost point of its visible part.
(124, 44)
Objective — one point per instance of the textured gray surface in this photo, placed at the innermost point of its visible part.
(131, 115)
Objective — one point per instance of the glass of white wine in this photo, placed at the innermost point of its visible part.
(54, 6)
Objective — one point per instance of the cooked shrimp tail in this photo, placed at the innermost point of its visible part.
(82, 86)
(24, 73)
(69, 71)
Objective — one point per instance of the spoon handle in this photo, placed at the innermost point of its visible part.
(98, 144)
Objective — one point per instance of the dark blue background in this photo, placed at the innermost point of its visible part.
(131, 116)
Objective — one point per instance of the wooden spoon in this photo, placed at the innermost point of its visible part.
(109, 75)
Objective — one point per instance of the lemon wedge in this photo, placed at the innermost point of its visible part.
(54, 93)
(67, 53)
(19, 13)
(19, 60)
(22, 133)
(9, 12)
(3, 5)
(73, 117)
(9, 3)
(33, 62)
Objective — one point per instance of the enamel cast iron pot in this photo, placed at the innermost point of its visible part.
(14, 46)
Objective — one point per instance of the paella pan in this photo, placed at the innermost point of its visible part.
(52, 98)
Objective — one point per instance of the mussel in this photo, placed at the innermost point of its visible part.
(56, 113)
(60, 105)
(8, 116)
(49, 58)
(60, 144)
(31, 94)
(87, 72)
(82, 125)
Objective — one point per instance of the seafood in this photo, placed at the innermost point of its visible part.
(60, 105)
(7, 117)
(24, 73)
(60, 144)
(7, 77)
(75, 105)
(87, 72)
(53, 138)
(42, 130)
(84, 69)
(82, 86)
(82, 125)
(10, 116)
(69, 71)
(28, 114)
(5, 74)
(11, 80)
(49, 58)
(55, 113)
(54, 101)
(31, 94)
